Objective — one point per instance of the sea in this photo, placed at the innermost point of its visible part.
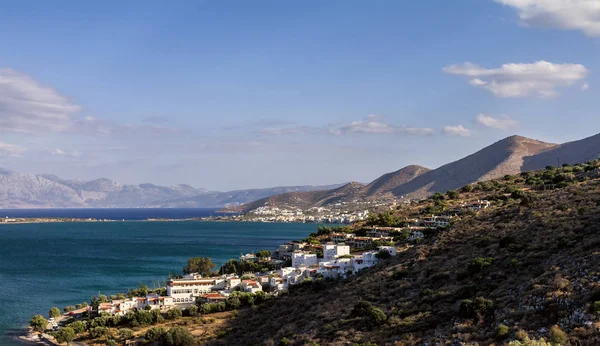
(61, 264)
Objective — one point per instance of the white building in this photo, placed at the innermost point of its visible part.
(188, 291)
(333, 251)
(251, 286)
(341, 237)
(302, 259)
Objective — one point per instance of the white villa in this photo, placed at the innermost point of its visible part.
(333, 251)
(304, 259)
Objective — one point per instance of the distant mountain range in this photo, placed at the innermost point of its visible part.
(508, 156)
(18, 190)
(511, 155)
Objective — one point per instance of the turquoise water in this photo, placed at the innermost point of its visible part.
(60, 264)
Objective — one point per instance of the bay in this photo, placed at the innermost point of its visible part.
(60, 264)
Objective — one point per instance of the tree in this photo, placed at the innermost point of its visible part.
(155, 334)
(193, 310)
(66, 334)
(143, 291)
(202, 265)
(174, 313)
(179, 336)
(69, 309)
(78, 327)
(39, 323)
(126, 333)
(54, 312)
(452, 194)
(263, 254)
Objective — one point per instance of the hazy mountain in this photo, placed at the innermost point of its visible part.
(49, 191)
(32, 191)
(511, 155)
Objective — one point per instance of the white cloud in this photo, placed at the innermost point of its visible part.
(581, 15)
(28, 106)
(540, 79)
(372, 124)
(14, 150)
(60, 152)
(585, 86)
(501, 122)
(457, 130)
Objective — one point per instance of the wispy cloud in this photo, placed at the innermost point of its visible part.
(542, 78)
(60, 152)
(370, 125)
(458, 130)
(13, 150)
(501, 122)
(27, 106)
(583, 15)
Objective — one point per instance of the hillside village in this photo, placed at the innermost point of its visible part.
(404, 249)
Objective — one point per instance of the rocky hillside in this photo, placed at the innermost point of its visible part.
(511, 155)
(49, 191)
(527, 268)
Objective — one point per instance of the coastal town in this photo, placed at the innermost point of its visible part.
(332, 253)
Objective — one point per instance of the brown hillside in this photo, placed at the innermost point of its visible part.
(501, 158)
(306, 199)
(572, 152)
(387, 182)
(525, 268)
(380, 187)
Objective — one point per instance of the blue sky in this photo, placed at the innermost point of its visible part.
(240, 94)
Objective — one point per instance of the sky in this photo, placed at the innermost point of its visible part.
(238, 94)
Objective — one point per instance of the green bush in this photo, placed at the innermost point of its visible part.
(99, 332)
(502, 332)
(78, 327)
(111, 342)
(54, 312)
(155, 334)
(174, 313)
(596, 307)
(69, 309)
(38, 323)
(192, 310)
(178, 336)
(66, 334)
(479, 309)
(125, 333)
(557, 336)
(480, 264)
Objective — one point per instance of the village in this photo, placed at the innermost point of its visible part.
(339, 255)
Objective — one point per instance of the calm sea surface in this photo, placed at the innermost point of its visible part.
(60, 264)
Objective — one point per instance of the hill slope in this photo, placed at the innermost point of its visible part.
(528, 263)
(501, 158)
(379, 188)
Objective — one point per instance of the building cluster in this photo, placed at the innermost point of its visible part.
(312, 215)
(334, 261)
(183, 293)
